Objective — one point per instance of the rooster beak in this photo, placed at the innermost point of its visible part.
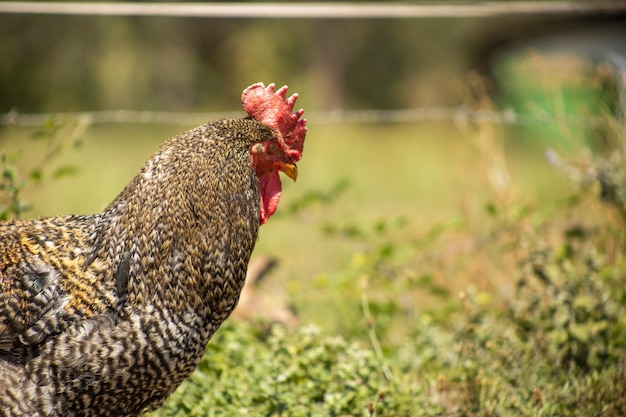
(291, 170)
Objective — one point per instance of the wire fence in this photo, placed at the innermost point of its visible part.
(458, 115)
(317, 10)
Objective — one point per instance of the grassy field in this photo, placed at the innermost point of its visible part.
(431, 269)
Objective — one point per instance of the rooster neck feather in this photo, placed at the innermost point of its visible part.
(192, 184)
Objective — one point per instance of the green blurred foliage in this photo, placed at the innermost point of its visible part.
(18, 172)
(442, 285)
(74, 63)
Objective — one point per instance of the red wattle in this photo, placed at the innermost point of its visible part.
(270, 189)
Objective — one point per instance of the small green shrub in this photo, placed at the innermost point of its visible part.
(284, 373)
(17, 173)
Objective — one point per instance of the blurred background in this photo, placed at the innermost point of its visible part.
(418, 128)
(78, 63)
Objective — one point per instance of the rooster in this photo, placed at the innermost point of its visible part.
(106, 314)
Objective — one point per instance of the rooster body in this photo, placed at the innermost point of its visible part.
(105, 315)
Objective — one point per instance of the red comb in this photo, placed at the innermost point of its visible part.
(272, 108)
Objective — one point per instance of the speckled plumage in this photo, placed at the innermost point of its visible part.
(105, 315)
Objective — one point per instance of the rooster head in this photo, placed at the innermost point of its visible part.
(269, 106)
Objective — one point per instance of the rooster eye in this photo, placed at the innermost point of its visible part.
(272, 147)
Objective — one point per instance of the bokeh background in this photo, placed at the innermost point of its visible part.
(551, 72)
(428, 139)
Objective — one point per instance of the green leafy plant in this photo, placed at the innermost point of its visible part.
(11, 187)
(18, 173)
(284, 373)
